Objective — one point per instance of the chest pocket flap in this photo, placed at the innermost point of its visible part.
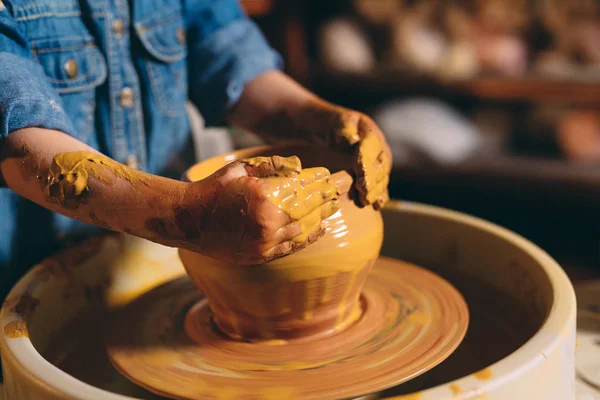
(163, 38)
(71, 64)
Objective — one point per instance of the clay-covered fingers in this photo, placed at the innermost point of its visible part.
(301, 229)
(304, 193)
(292, 237)
(380, 198)
(264, 167)
(373, 167)
(379, 194)
(307, 200)
(282, 214)
(291, 246)
(350, 127)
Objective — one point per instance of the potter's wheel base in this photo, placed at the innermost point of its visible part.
(412, 320)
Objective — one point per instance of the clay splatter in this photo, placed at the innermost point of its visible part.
(16, 329)
(455, 389)
(413, 396)
(484, 375)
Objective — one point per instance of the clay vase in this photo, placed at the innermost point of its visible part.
(309, 294)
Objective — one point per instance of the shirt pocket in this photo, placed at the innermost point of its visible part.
(75, 67)
(163, 38)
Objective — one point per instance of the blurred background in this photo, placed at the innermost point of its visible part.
(492, 107)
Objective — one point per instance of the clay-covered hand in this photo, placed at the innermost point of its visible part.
(372, 156)
(256, 210)
(353, 132)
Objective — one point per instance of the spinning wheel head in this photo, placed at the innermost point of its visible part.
(410, 320)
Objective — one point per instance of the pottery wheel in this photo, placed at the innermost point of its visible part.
(412, 320)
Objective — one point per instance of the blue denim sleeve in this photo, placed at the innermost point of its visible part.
(226, 51)
(26, 97)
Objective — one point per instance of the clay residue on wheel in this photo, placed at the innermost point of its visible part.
(413, 396)
(484, 375)
(16, 329)
(456, 389)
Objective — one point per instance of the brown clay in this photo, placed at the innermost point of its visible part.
(313, 292)
(412, 320)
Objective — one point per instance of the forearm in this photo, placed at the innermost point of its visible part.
(276, 107)
(64, 175)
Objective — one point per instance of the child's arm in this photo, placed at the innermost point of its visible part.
(40, 161)
(274, 105)
(66, 176)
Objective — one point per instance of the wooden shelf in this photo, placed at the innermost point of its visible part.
(530, 89)
(521, 181)
(553, 203)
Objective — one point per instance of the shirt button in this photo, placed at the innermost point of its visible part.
(118, 27)
(132, 162)
(71, 68)
(126, 98)
(181, 35)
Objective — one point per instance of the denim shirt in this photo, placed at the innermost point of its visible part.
(116, 75)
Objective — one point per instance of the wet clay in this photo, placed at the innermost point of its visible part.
(456, 389)
(372, 157)
(299, 192)
(484, 375)
(16, 329)
(375, 179)
(412, 396)
(411, 321)
(68, 179)
(311, 293)
(282, 166)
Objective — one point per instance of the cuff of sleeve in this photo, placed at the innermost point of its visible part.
(223, 64)
(27, 99)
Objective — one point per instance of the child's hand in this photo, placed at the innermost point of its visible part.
(274, 106)
(354, 132)
(372, 155)
(256, 210)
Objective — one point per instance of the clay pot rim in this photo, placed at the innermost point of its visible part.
(22, 357)
(343, 178)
